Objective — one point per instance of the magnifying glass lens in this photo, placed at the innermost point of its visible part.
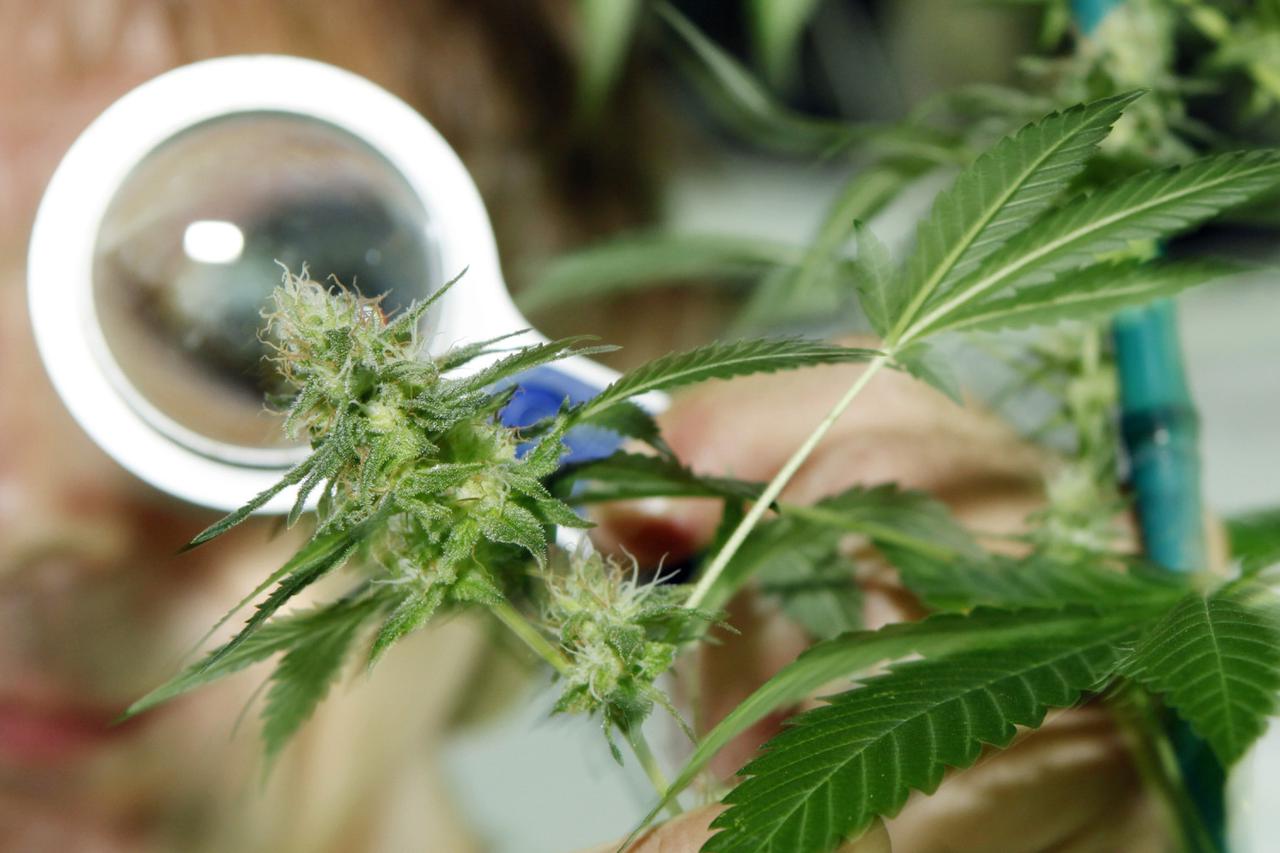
(191, 247)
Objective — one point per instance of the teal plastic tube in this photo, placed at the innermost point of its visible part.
(1161, 436)
(1160, 429)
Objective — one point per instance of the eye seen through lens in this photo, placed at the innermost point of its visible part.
(191, 247)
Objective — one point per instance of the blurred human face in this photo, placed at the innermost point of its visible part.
(95, 606)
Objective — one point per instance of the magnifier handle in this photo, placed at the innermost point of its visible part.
(542, 391)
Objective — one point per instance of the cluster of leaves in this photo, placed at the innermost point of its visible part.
(422, 482)
(1179, 52)
(1011, 638)
(422, 489)
(1006, 247)
(1001, 248)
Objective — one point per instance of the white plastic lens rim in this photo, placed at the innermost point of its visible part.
(60, 264)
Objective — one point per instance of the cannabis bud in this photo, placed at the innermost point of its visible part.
(619, 633)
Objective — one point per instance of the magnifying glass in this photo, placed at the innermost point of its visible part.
(161, 235)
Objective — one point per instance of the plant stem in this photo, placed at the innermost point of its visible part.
(1157, 764)
(531, 636)
(640, 746)
(779, 482)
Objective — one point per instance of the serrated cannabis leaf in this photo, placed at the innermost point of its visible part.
(628, 476)
(834, 769)
(786, 547)
(460, 355)
(289, 586)
(802, 543)
(320, 549)
(294, 476)
(848, 655)
(1148, 206)
(413, 611)
(1085, 294)
(528, 358)
(924, 363)
(1216, 659)
(1002, 192)
(515, 525)
(640, 260)
(876, 279)
(1255, 540)
(1036, 581)
(890, 515)
(631, 421)
(721, 361)
(278, 635)
(819, 286)
(303, 676)
(815, 586)
(744, 103)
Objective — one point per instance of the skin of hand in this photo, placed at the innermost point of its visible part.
(1069, 786)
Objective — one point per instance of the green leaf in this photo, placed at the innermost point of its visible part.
(1036, 581)
(302, 679)
(440, 478)
(526, 359)
(631, 421)
(856, 652)
(1001, 193)
(876, 278)
(923, 362)
(515, 525)
(784, 548)
(888, 515)
(1085, 294)
(561, 514)
(413, 611)
(608, 27)
(746, 105)
(405, 326)
(1216, 659)
(460, 355)
(321, 550)
(1148, 206)
(776, 27)
(802, 542)
(278, 635)
(1255, 540)
(294, 476)
(815, 587)
(639, 261)
(628, 476)
(835, 768)
(322, 555)
(721, 361)
(822, 286)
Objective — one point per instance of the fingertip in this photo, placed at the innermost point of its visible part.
(874, 839)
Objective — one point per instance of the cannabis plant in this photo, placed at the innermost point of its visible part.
(433, 504)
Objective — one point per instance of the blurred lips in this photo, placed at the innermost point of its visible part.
(36, 735)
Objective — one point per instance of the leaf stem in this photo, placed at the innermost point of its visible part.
(532, 637)
(779, 482)
(640, 746)
(1157, 763)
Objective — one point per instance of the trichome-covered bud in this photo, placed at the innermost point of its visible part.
(618, 632)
